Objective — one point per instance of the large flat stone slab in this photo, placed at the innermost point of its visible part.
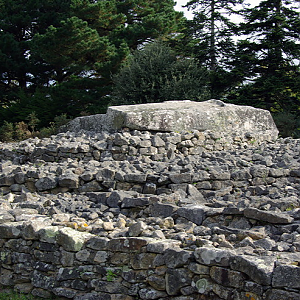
(181, 116)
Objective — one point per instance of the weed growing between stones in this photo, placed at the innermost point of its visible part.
(110, 275)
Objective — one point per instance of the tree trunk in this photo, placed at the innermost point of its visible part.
(213, 59)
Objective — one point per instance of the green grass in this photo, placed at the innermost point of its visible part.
(9, 294)
(12, 295)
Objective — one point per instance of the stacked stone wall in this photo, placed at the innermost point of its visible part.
(124, 159)
(141, 215)
(78, 265)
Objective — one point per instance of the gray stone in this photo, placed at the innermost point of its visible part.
(135, 177)
(70, 181)
(180, 178)
(40, 280)
(177, 279)
(163, 209)
(286, 276)
(31, 229)
(67, 274)
(38, 292)
(149, 188)
(175, 258)
(46, 183)
(227, 277)
(24, 288)
(6, 277)
(194, 193)
(100, 257)
(48, 234)
(157, 282)
(181, 116)
(275, 294)
(134, 202)
(267, 243)
(92, 296)
(115, 198)
(97, 243)
(6, 180)
(72, 240)
(137, 228)
(5, 217)
(157, 141)
(267, 216)
(92, 186)
(11, 230)
(127, 244)
(214, 256)
(193, 213)
(64, 292)
(259, 269)
(151, 294)
(143, 261)
(113, 287)
(160, 246)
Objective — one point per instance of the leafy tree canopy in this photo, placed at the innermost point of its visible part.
(269, 57)
(62, 52)
(156, 74)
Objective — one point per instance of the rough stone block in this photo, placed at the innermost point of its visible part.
(128, 244)
(274, 294)
(151, 294)
(70, 181)
(178, 116)
(46, 183)
(227, 277)
(259, 269)
(162, 245)
(97, 243)
(113, 287)
(11, 230)
(143, 261)
(6, 217)
(214, 256)
(175, 258)
(134, 202)
(268, 216)
(177, 279)
(193, 213)
(163, 209)
(72, 240)
(48, 234)
(286, 276)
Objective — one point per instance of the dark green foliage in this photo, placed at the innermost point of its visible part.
(10, 132)
(156, 74)
(58, 56)
(212, 31)
(267, 58)
(288, 124)
(7, 132)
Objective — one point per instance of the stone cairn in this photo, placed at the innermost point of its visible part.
(142, 214)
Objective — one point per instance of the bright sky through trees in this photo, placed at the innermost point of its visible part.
(189, 14)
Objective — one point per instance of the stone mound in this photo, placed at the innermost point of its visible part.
(178, 116)
(151, 215)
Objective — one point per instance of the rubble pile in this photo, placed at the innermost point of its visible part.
(151, 215)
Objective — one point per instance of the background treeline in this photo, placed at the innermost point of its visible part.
(64, 58)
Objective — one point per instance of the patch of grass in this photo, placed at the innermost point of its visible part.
(12, 295)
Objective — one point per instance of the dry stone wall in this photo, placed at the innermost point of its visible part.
(146, 215)
(44, 260)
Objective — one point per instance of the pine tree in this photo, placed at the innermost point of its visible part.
(156, 74)
(213, 29)
(58, 56)
(269, 56)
